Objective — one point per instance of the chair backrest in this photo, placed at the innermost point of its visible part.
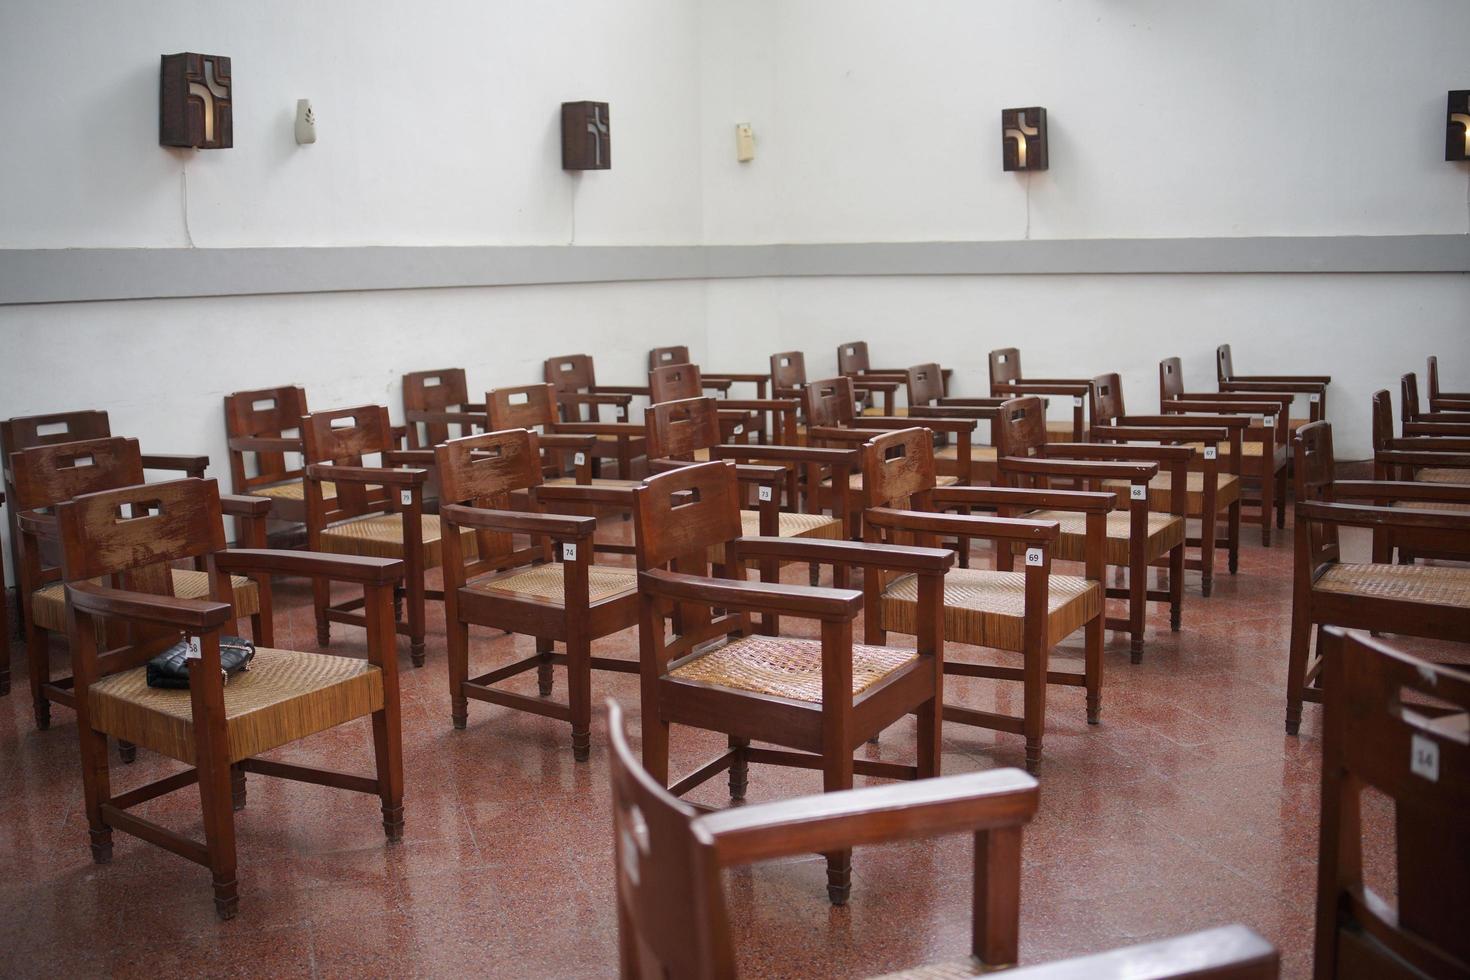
(1106, 399)
(898, 469)
(1224, 366)
(788, 372)
(679, 515)
(676, 429)
(1433, 372)
(1397, 724)
(571, 373)
(344, 436)
(1171, 379)
(433, 391)
(852, 358)
(525, 407)
(1409, 396)
(925, 384)
(674, 382)
(266, 412)
(1315, 472)
(830, 402)
(1020, 428)
(483, 468)
(46, 475)
(668, 884)
(1382, 420)
(1005, 367)
(661, 356)
(29, 431)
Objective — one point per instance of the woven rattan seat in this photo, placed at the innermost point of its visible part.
(977, 451)
(382, 537)
(48, 604)
(1443, 474)
(786, 667)
(1165, 531)
(952, 970)
(284, 696)
(1410, 583)
(295, 490)
(1429, 505)
(1160, 491)
(896, 413)
(788, 526)
(547, 582)
(987, 608)
(1252, 449)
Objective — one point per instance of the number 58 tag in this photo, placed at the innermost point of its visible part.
(1033, 556)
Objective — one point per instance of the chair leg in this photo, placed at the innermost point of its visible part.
(237, 788)
(321, 597)
(458, 655)
(739, 768)
(1093, 636)
(579, 690)
(1176, 586)
(96, 790)
(1281, 500)
(1137, 609)
(1233, 537)
(931, 745)
(655, 742)
(1033, 724)
(1296, 667)
(416, 613)
(388, 753)
(545, 677)
(837, 776)
(38, 666)
(1268, 503)
(219, 828)
(1207, 525)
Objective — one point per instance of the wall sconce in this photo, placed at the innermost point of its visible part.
(1457, 127)
(586, 142)
(194, 102)
(1023, 138)
(305, 122)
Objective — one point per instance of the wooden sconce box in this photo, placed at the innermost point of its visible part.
(194, 102)
(586, 142)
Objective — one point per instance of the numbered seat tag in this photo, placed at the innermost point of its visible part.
(1076, 401)
(738, 429)
(1270, 421)
(568, 551)
(579, 459)
(1034, 557)
(196, 653)
(1212, 452)
(405, 497)
(1316, 398)
(1137, 492)
(764, 493)
(1424, 758)
(623, 413)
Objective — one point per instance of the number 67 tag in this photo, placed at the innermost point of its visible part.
(1033, 557)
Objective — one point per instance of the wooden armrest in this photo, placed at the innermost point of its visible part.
(1403, 490)
(581, 493)
(865, 383)
(239, 505)
(1453, 461)
(786, 454)
(1228, 951)
(964, 525)
(972, 402)
(1114, 450)
(266, 444)
(792, 600)
(949, 422)
(746, 377)
(519, 522)
(176, 461)
(567, 440)
(310, 564)
(1315, 379)
(1083, 501)
(859, 436)
(194, 615)
(409, 457)
(1435, 426)
(1164, 433)
(372, 475)
(1361, 515)
(904, 558)
(872, 815)
(761, 404)
(587, 398)
(1432, 444)
(621, 390)
(1262, 405)
(1181, 420)
(623, 430)
(769, 476)
(1134, 472)
(477, 418)
(1024, 387)
(927, 412)
(1075, 382)
(715, 382)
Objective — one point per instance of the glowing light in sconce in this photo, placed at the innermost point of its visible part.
(1019, 134)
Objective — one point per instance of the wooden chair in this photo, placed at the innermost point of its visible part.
(669, 859)
(1026, 613)
(29, 431)
(1007, 381)
(1423, 456)
(1433, 422)
(551, 589)
(263, 430)
(1204, 498)
(1416, 600)
(1138, 536)
(1314, 386)
(818, 699)
(1401, 726)
(219, 729)
(925, 384)
(47, 476)
(435, 401)
(1265, 458)
(5, 622)
(580, 399)
(853, 362)
(377, 511)
(1444, 401)
(789, 380)
(664, 356)
(738, 420)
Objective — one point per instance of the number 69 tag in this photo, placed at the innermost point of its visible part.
(1033, 556)
(1137, 492)
(1424, 758)
(568, 551)
(405, 497)
(764, 493)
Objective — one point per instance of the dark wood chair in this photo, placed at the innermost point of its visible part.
(1313, 386)
(669, 859)
(217, 729)
(1401, 726)
(377, 511)
(5, 622)
(1444, 401)
(29, 431)
(740, 420)
(1435, 452)
(580, 398)
(853, 362)
(47, 476)
(1265, 456)
(1419, 422)
(437, 406)
(1204, 498)
(549, 589)
(1026, 612)
(1416, 600)
(267, 451)
(1138, 537)
(703, 665)
(789, 380)
(1007, 381)
(664, 356)
(925, 387)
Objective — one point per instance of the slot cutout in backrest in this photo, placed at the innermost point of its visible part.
(263, 404)
(73, 462)
(895, 452)
(137, 510)
(685, 498)
(518, 398)
(48, 429)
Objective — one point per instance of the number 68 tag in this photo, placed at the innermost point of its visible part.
(1033, 556)
(568, 551)
(1137, 492)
